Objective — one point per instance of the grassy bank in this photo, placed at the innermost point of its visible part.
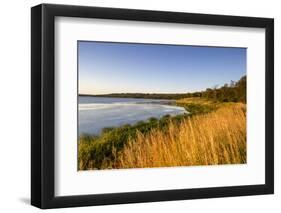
(218, 137)
(197, 106)
(97, 152)
(213, 133)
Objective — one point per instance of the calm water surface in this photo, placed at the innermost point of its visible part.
(96, 113)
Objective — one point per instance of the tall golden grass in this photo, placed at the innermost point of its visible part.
(213, 138)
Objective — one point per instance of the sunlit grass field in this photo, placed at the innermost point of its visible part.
(213, 133)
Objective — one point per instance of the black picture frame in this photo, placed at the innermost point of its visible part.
(43, 94)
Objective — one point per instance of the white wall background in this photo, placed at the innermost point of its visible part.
(15, 105)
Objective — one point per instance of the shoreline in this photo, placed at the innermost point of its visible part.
(193, 108)
(96, 114)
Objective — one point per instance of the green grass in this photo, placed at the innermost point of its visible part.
(194, 108)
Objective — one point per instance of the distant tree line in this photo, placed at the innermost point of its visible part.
(232, 92)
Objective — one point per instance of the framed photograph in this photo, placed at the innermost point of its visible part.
(139, 106)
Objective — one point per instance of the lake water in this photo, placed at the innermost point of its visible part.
(96, 113)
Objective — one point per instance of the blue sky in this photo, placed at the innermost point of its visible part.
(106, 67)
